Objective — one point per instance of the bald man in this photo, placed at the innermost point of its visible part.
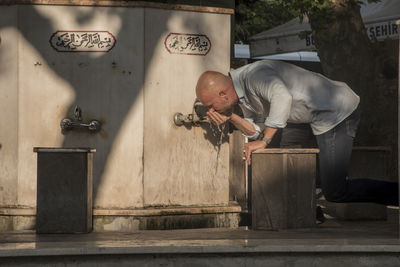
(273, 93)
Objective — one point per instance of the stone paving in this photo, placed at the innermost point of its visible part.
(331, 235)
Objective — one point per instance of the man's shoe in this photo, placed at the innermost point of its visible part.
(320, 218)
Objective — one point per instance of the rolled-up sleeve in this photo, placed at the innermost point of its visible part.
(256, 127)
(272, 89)
(251, 117)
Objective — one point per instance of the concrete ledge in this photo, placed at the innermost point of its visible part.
(168, 211)
(137, 212)
(287, 151)
(129, 220)
(167, 218)
(18, 211)
(192, 221)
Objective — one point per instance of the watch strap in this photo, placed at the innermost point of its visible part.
(266, 140)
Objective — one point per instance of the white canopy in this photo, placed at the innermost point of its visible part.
(243, 51)
(379, 20)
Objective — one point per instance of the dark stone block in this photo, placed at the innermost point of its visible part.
(64, 190)
(283, 188)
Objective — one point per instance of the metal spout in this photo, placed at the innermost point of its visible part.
(180, 119)
(197, 116)
(67, 124)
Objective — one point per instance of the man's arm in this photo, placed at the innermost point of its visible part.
(269, 132)
(243, 125)
(247, 128)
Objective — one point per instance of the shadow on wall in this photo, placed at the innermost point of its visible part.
(106, 86)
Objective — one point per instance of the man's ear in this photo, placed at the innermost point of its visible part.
(224, 95)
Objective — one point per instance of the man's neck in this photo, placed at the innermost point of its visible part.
(232, 92)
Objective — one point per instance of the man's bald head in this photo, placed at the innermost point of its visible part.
(210, 83)
(215, 90)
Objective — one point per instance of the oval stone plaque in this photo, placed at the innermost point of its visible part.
(82, 41)
(187, 44)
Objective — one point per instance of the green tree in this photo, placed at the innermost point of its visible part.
(254, 16)
(343, 46)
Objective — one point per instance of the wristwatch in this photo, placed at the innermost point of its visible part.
(266, 140)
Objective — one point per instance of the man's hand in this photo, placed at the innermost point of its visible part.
(253, 146)
(216, 117)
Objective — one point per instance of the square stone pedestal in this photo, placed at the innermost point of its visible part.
(64, 190)
(282, 188)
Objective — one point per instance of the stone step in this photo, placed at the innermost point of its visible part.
(198, 252)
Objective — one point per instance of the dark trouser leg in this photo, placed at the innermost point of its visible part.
(335, 152)
(297, 136)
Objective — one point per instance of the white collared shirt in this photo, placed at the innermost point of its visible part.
(272, 93)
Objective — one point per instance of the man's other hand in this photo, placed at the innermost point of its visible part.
(253, 146)
(216, 117)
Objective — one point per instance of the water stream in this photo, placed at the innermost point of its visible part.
(218, 131)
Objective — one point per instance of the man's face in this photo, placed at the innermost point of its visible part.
(217, 103)
(214, 94)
